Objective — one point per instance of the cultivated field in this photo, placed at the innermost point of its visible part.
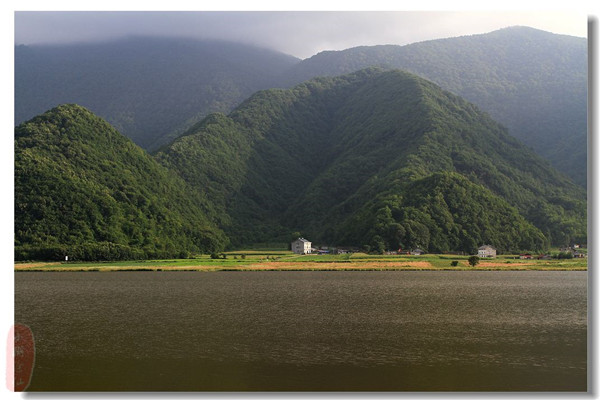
(286, 261)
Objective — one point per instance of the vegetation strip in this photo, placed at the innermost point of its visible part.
(305, 266)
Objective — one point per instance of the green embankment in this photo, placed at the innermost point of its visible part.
(286, 261)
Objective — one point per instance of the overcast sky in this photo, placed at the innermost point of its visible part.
(301, 34)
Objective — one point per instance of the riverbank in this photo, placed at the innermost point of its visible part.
(289, 262)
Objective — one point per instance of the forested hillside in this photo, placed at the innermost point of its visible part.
(85, 191)
(150, 89)
(379, 159)
(153, 89)
(531, 81)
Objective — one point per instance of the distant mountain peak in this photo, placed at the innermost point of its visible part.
(533, 82)
(149, 88)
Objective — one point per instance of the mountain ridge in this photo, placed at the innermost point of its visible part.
(373, 159)
(373, 122)
(85, 191)
(154, 89)
(151, 88)
(532, 81)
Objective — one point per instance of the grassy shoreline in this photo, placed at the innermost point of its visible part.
(92, 269)
(286, 261)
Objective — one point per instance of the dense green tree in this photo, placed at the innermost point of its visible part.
(85, 191)
(446, 212)
(473, 261)
(377, 245)
(533, 82)
(375, 154)
(380, 159)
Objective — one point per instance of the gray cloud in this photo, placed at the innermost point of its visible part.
(297, 33)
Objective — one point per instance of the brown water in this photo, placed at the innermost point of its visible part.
(317, 331)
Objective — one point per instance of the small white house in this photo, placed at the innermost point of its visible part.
(486, 251)
(301, 246)
(416, 252)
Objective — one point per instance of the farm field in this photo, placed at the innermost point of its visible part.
(287, 261)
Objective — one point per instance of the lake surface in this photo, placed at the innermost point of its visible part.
(317, 331)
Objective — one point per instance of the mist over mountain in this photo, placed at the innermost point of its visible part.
(379, 159)
(153, 89)
(531, 81)
(149, 88)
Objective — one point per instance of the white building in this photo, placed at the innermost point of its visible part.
(416, 252)
(486, 251)
(301, 246)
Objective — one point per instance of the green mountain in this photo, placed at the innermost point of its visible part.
(150, 89)
(154, 89)
(531, 81)
(375, 158)
(85, 191)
